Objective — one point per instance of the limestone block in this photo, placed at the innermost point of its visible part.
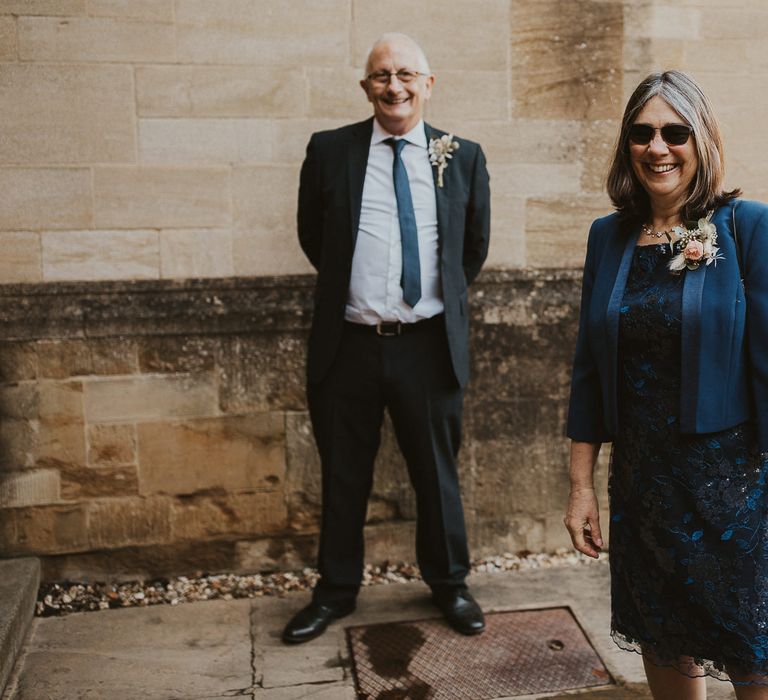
(62, 359)
(230, 452)
(196, 253)
(469, 94)
(335, 92)
(120, 522)
(285, 256)
(28, 488)
(525, 140)
(536, 179)
(566, 59)
(99, 255)
(7, 39)
(42, 7)
(49, 529)
(557, 229)
(18, 362)
(111, 444)
(264, 198)
(669, 21)
(205, 141)
(177, 354)
(598, 140)
(84, 483)
(200, 518)
(303, 486)
(149, 397)
(465, 35)
(276, 554)
(507, 247)
(262, 372)
(651, 54)
(149, 10)
(61, 437)
(66, 114)
(21, 259)
(292, 32)
(291, 136)
(34, 198)
(156, 197)
(94, 39)
(390, 542)
(114, 355)
(221, 91)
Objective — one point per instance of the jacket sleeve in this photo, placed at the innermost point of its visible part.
(755, 266)
(585, 411)
(310, 207)
(477, 227)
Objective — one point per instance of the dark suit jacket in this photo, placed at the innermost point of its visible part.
(330, 197)
(724, 370)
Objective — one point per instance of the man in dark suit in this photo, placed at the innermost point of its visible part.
(394, 215)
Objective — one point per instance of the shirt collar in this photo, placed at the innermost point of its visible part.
(417, 136)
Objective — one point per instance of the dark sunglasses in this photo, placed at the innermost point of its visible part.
(673, 134)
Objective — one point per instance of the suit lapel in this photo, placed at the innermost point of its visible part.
(357, 161)
(442, 194)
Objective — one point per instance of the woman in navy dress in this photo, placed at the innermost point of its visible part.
(671, 367)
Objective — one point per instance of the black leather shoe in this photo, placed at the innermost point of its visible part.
(460, 610)
(312, 621)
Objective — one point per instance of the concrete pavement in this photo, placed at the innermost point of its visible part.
(225, 649)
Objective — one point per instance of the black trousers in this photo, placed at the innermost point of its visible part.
(411, 376)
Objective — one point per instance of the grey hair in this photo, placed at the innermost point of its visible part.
(402, 38)
(683, 94)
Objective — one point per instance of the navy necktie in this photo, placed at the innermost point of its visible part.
(409, 238)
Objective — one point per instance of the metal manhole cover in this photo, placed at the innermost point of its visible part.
(520, 653)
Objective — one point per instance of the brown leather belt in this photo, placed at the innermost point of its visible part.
(394, 328)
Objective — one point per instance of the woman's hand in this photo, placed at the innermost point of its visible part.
(583, 521)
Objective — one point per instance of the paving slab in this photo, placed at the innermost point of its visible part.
(19, 579)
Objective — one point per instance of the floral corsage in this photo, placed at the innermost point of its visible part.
(440, 151)
(695, 246)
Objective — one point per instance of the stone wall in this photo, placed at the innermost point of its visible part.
(149, 139)
(151, 428)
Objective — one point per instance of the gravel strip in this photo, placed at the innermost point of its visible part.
(67, 597)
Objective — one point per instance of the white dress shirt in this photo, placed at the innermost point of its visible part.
(375, 294)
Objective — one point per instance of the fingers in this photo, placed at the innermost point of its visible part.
(585, 535)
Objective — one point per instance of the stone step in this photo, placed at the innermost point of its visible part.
(19, 581)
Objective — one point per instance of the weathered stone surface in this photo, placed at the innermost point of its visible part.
(275, 553)
(239, 31)
(230, 515)
(489, 90)
(670, 21)
(161, 197)
(481, 30)
(291, 136)
(149, 398)
(150, 10)
(205, 141)
(94, 39)
(65, 113)
(111, 444)
(248, 244)
(83, 483)
(336, 93)
(118, 522)
(61, 437)
(598, 139)
(229, 452)
(42, 7)
(565, 58)
(536, 179)
(28, 488)
(226, 91)
(196, 253)
(171, 355)
(94, 255)
(7, 39)
(41, 530)
(35, 198)
(18, 362)
(22, 259)
(61, 359)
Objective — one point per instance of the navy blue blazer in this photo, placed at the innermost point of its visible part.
(724, 373)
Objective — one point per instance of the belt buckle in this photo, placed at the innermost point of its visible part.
(382, 328)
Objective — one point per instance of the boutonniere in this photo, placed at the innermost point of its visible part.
(440, 151)
(695, 246)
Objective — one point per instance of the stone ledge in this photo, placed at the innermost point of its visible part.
(19, 580)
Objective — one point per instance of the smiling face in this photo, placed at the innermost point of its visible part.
(664, 171)
(397, 106)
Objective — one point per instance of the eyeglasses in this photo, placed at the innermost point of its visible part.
(673, 134)
(382, 77)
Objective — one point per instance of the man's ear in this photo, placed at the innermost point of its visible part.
(430, 83)
(364, 85)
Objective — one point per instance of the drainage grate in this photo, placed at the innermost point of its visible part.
(520, 653)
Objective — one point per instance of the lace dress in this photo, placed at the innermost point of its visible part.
(689, 513)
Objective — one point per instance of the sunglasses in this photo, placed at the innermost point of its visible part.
(673, 134)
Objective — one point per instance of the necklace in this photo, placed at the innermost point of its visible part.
(649, 231)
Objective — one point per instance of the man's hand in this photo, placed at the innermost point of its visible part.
(583, 521)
